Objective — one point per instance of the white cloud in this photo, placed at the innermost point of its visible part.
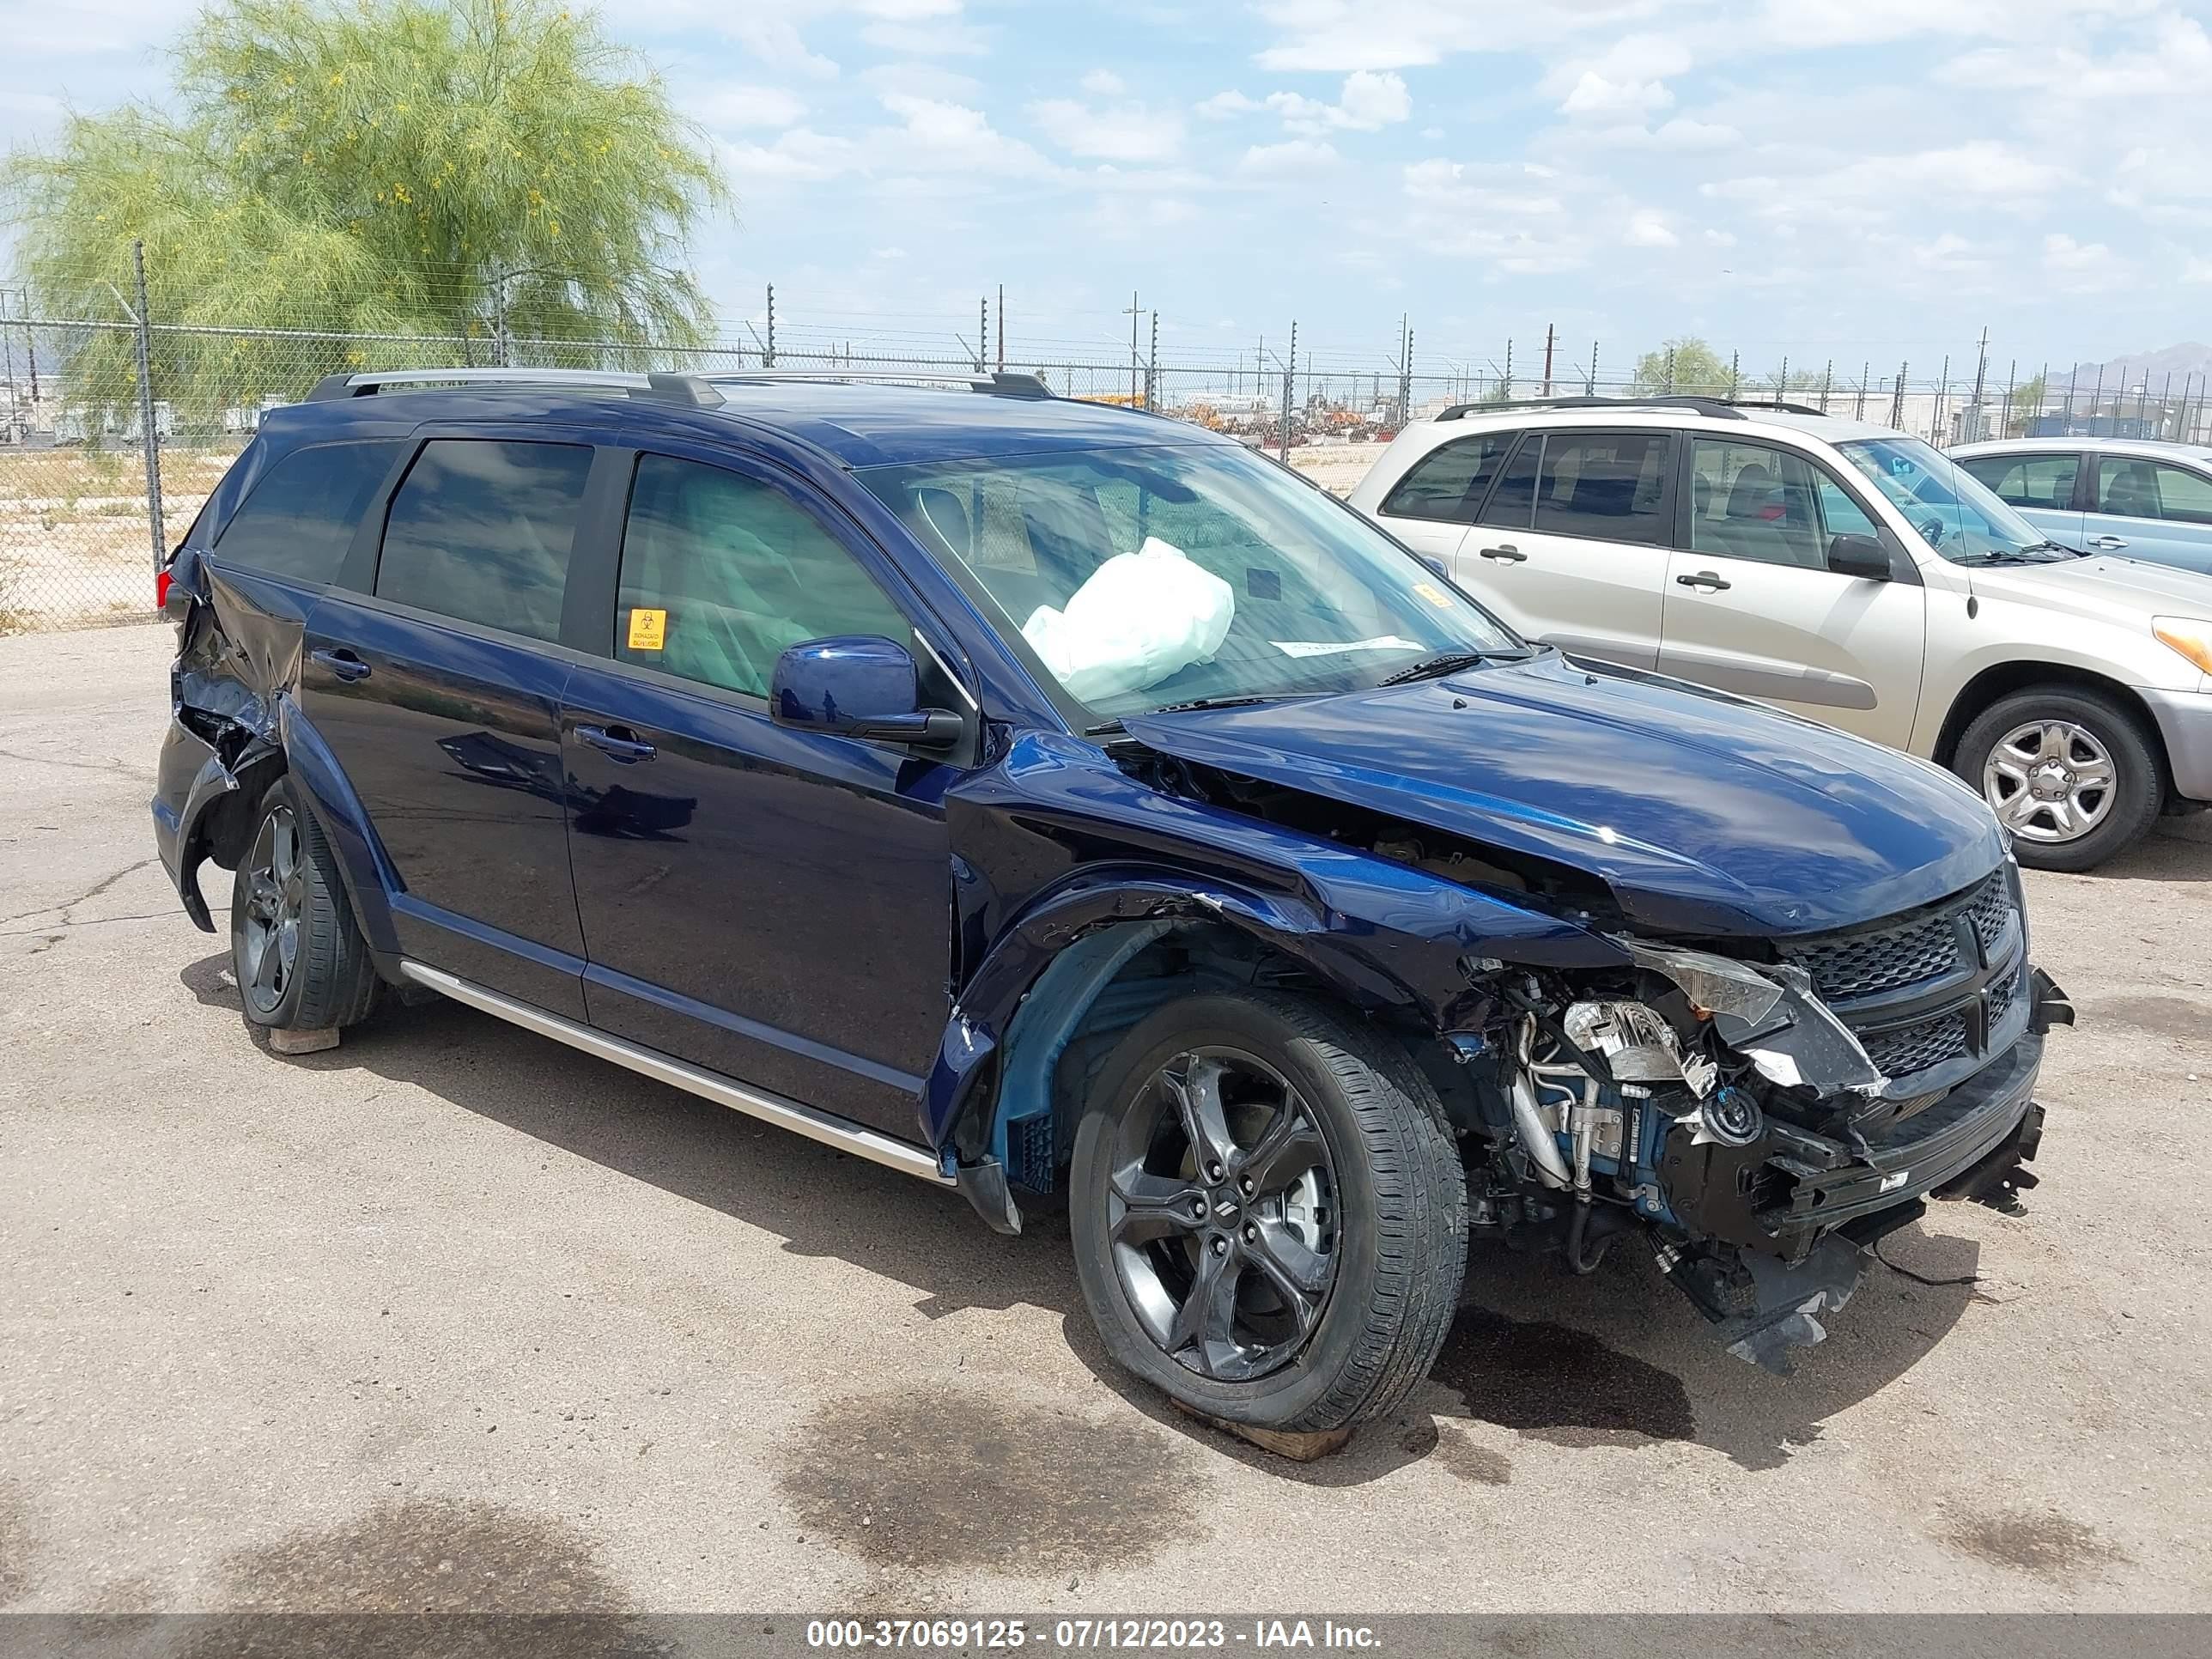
(1628, 78)
(1127, 132)
(1337, 36)
(1294, 157)
(1103, 83)
(2197, 270)
(2081, 267)
(1223, 105)
(1594, 94)
(1982, 173)
(1647, 227)
(1369, 101)
(734, 108)
(938, 135)
(1684, 134)
(800, 154)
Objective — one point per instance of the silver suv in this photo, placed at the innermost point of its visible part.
(1842, 571)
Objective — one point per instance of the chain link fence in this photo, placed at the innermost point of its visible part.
(86, 509)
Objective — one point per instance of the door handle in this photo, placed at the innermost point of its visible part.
(1708, 579)
(2108, 544)
(618, 743)
(1505, 553)
(342, 663)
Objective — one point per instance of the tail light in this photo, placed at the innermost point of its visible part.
(161, 589)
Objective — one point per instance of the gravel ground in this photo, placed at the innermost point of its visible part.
(452, 1318)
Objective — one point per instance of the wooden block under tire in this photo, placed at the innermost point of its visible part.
(283, 1041)
(1298, 1448)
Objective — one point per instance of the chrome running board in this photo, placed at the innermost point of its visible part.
(826, 1127)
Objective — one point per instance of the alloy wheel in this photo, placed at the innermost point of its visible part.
(1223, 1213)
(2049, 780)
(276, 891)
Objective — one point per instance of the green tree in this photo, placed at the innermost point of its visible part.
(391, 166)
(2027, 397)
(1697, 369)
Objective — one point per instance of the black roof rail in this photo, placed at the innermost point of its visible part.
(694, 389)
(1726, 409)
(1001, 383)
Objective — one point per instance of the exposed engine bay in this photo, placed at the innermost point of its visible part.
(1718, 1108)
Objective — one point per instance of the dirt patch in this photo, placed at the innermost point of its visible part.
(948, 1479)
(2041, 1542)
(1457, 1454)
(427, 1556)
(2167, 1017)
(16, 1543)
(1552, 1383)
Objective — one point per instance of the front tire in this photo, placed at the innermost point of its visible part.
(299, 958)
(1269, 1213)
(2070, 773)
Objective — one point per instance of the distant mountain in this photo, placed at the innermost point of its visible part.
(2147, 369)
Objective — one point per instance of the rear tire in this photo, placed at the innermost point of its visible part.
(298, 955)
(2069, 772)
(1299, 1270)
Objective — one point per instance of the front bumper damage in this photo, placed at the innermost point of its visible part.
(1748, 1128)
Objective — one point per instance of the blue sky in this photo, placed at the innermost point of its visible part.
(1849, 179)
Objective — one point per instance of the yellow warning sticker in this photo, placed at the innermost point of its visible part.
(648, 628)
(1435, 596)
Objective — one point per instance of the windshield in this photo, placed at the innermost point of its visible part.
(1142, 578)
(1955, 514)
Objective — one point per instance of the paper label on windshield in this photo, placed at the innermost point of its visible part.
(1326, 649)
(1433, 594)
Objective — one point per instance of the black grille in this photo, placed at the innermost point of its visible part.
(2001, 999)
(1907, 953)
(1905, 1050)
(1991, 908)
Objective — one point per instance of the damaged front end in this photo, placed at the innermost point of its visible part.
(1742, 1120)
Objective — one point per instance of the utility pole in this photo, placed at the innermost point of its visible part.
(1981, 371)
(1134, 313)
(1002, 326)
(1289, 374)
(1405, 380)
(1897, 398)
(1828, 384)
(1943, 397)
(768, 360)
(1551, 335)
(1735, 373)
(2012, 390)
(983, 335)
(1866, 368)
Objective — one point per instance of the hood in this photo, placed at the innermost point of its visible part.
(1705, 814)
(2128, 590)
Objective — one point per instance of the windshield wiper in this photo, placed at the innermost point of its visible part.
(1450, 662)
(1107, 728)
(2021, 555)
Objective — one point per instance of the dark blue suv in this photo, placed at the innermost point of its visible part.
(1067, 806)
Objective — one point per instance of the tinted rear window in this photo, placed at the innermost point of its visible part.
(481, 532)
(301, 516)
(1449, 482)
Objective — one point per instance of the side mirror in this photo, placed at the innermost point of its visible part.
(857, 685)
(1859, 555)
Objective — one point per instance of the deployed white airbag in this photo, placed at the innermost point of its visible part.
(1141, 618)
